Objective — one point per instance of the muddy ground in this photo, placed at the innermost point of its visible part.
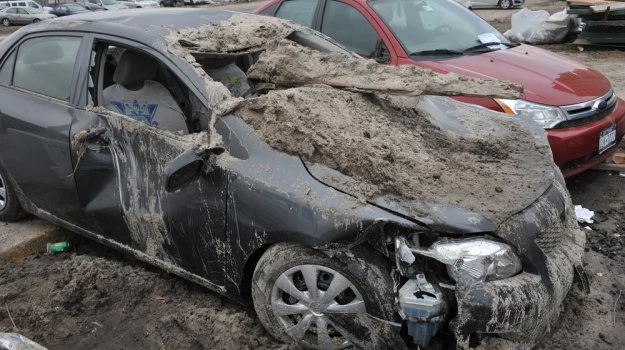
(97, 298)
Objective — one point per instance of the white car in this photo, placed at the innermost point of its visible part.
(139, 3)
(33, 6)
(109, 4)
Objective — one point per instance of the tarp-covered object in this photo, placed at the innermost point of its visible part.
(538, 27)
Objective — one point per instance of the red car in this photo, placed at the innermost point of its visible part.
(583, 117)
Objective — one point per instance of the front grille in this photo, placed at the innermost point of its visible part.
(586, 120)
(589, 111)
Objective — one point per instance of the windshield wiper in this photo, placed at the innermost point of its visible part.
(486, 46)
(437, 52)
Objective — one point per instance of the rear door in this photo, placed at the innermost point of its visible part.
(37, 82)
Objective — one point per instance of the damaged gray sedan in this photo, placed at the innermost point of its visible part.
(260, 159)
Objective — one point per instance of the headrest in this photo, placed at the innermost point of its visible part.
(134, 67)
(43, 51)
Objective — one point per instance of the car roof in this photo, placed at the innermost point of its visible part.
(144, 25)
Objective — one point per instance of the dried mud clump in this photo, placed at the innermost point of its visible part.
(394, 145)
(239, 33)
(288, 64)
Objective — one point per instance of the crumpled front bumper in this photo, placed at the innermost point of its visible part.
(520, 308)
(523, 307)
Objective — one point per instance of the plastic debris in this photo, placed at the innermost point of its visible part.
(538, 27)
(59, 247)
(405, 254)
(618, 158)
(16, 341)
(584, 215)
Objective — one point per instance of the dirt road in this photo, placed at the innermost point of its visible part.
(96, 298)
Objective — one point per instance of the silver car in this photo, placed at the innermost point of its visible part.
(504, 4)
(139, 3)
(20, 15)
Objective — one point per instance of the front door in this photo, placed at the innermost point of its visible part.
(121, 164)
(22, 16)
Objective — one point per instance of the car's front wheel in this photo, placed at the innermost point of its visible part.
(6, 22)
(36, 20)
(505, 4)
(305, 297)
(10, 208)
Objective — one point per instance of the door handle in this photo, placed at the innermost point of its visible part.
(91, 134)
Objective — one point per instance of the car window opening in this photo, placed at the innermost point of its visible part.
(138, 86)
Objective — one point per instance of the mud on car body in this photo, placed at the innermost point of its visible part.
(298, 198)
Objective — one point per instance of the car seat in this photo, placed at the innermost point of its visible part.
(137, 96)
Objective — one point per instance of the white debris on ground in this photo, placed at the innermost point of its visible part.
(584, 215)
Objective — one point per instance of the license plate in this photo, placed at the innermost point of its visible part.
(607, 138)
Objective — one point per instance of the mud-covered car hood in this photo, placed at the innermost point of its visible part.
(515, 185)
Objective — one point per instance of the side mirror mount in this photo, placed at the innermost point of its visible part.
(382, 54)
(185, 168)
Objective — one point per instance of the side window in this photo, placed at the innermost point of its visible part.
(349, 27)
(45, 65)
(300, 11)
(21, 11)
(33, 5)
(6, 71)
(21, 4)
(13, 10)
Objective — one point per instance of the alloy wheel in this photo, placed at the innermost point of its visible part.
(6, 22)
(304, 296)
(505, 4)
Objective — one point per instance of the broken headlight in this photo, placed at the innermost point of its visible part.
(546, 116)
(474, 259)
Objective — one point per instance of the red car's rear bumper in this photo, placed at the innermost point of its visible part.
(575, 149)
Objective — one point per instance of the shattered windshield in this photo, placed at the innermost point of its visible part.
(441, 27)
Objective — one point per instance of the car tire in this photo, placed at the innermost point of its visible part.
(36, 20)
(6, 22)
(365, 286)
(505, 4)
(10, 208)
